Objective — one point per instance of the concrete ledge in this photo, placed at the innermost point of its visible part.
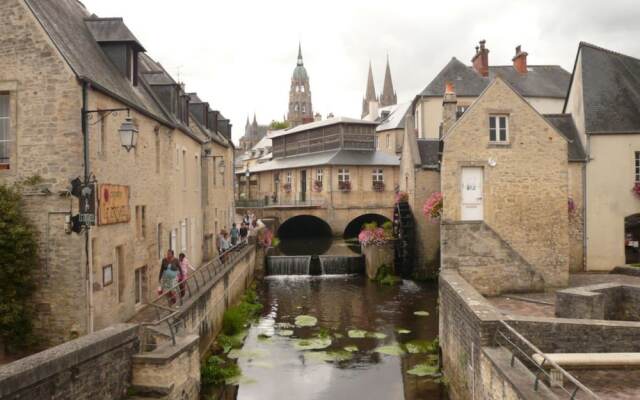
(590, 360)
(626, 270)
(167, 352)
(472, 299)
(33, 369)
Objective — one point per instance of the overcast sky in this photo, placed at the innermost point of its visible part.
(239, 55)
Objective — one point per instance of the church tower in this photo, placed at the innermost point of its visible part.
(370, 95)
(300, 107)
(388, 96)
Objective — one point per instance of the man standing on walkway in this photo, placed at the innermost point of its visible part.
(169, 273)
(244, 232)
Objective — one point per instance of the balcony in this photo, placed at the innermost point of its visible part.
(296, 202)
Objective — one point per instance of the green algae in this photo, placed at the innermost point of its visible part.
(306, 320)
(421, 313)
(391, 350)
(424, 369)
(351, 349)
(317, 343)
(357, 334)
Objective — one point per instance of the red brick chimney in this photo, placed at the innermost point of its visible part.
(481, 59)
(520, 60)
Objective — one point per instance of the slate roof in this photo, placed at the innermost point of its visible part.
(326, 122)
(106, 30)
(395, 120)
(564, 123)
(429, 150)
(333, 157)
(611, 90)
(540, 81)
(64, 22)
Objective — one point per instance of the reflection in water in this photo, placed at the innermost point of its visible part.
(274, 369)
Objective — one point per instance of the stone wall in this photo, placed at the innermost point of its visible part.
(427, 182)
(608, 301)
(576, 217)
(96, 367)
(525, 190)
(485, 260)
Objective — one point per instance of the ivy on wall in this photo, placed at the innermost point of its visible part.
(18, 258)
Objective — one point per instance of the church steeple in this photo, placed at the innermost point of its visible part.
(300, 107)
(370, 94)
(388, 96)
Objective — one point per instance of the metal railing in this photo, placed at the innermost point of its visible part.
(268, 202)
(519, 347)
(165, 309)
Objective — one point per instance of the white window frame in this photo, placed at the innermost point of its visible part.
(140, 275)
(319, 174)
(496, 133)
(637, 166)
(377, 175)
(388, 141)
(344, 175)
(7, 142)
(289, 177)
(183, 236)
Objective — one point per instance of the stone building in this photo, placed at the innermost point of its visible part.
(253, 133)
(604, 107)
(300, 105)
(505, 182)
(329, 169)
(542, 86)
(154, 195)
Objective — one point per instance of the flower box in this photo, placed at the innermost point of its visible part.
(636, 189)
(287, 187)
(433, 206)
(317, 186)
(344, 186)
(378, 186)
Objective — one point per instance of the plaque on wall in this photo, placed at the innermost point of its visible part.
(113, 204)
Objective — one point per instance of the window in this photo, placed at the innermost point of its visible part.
(173, 239)
(5, 134)
(343, 175)
(120, 270)
(141, 285)
(304, 107)
(289, 178)
(388, 141)
(177, 158)
(183, 236)
(319, 175)
(378, 175)
(157, 148)
(184, 169)
(460, 110)
(197, 174)
(637, 166)
(100, 135)
(302, 89)
(498, 128)
(141, 222)
(296, 107)
(159, 241)
(376, 142)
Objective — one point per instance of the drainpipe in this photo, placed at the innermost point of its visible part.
(85, 150)
(585, 236)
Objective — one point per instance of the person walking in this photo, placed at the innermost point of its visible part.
(234, 234)
(247, 219)
(169, 275)
(244, 232)
(185, 266)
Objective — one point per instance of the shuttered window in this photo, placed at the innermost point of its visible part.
(5, 134)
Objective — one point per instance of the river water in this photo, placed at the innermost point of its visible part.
(276, 366)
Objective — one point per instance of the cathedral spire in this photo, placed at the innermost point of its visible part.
(388, 96)
(370, 94)
(300, 63)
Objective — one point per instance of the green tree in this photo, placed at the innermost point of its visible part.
(18, 258)
(275, 125)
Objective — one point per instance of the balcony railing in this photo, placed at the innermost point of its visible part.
(288, 202)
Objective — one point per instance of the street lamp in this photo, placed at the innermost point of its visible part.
(128, 134)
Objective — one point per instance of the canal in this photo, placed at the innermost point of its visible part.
(341, 337)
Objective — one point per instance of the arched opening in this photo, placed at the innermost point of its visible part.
(304, 235)
(632, 239)
(354, 228)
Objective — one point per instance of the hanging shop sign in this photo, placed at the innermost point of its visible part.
(113, 204)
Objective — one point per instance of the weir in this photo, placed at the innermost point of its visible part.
(315, 265)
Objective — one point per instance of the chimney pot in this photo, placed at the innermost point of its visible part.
(520, 60)
(449, 88)
(481, 59)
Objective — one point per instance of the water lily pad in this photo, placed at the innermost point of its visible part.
(421, 313)
(351, 349)
(327, 356)
(403, 331)
(306, 320)
(392, 350)
(340, 355)
(317, 343)
(285, 332)
(357, 334)
(376, 335)
(419, 346)
(284, 325)
(424, 370)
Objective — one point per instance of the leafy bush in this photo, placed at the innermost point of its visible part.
(216, 370)
(236, 318)
(19, 249)
(385, 276)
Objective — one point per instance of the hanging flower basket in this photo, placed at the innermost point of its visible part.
(433, 207)
(373, 235)
(344, 186)
(317, 186)
(287, 187)
(378, 186)
(402, 197)
(636, 189)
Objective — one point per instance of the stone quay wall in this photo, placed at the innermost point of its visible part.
(96, 366)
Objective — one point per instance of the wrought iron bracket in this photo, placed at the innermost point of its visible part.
(105, 113)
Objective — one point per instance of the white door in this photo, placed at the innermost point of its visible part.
(472, 193)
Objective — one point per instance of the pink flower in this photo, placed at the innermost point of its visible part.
(433, 206)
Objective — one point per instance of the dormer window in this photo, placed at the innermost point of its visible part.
(118, 44)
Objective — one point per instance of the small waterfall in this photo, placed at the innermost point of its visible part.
(341, 265)
(288, 265)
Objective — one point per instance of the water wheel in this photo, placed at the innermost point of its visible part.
(404, 232)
